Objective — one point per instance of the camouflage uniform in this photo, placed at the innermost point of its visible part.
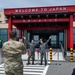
(12, 51)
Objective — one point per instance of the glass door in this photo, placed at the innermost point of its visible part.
(54, 41)
(61, 36)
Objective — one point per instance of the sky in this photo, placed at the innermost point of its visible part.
(33, 3)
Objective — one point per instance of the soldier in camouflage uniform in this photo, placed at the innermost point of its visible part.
(12, 51)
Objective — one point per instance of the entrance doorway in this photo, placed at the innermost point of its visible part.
(57, 37)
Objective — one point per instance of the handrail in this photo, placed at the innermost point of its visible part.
(63, 51)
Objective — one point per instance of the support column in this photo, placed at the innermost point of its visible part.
(71, 38)
(20, 34)
(68, 40)
(65, 39)
(9, 26)
(25, 35)
(71, 31)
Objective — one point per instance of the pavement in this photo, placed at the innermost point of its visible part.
(53, 68)
(29, 69)
(64, 68)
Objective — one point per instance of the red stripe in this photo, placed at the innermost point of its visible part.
(54, 53)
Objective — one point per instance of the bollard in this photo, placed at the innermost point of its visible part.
(31, 58)
(38, 51)
(50, 54)
(28, 54)
(71, 54)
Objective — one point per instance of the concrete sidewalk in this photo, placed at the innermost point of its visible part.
(65, 68)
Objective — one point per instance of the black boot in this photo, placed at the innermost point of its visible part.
(40, 64)
(28, 63)
(45, 63)
(32, 63)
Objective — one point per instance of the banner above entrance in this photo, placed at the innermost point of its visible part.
(39, 10)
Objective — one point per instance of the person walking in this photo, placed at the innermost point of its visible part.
(12, 51)
(43, 50)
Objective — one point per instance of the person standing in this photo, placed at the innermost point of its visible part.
(32, 50)
(12, 51)
(43, 50)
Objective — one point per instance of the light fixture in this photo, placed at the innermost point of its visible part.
(65, 15)
(13, 16)
(30, 16)
(47, 15)
(55, 15)
(22, 17)
(38, 16)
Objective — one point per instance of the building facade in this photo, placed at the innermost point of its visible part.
(3, 28)
(37, 23)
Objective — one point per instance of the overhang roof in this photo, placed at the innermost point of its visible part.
(48, 9)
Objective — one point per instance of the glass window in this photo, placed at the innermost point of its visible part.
(28, 36)
(74, 30)
(53, 39)
(36, 37)
(3, 31)
(60, 36)
(74, 37)
(3, 35)
(4, 38)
